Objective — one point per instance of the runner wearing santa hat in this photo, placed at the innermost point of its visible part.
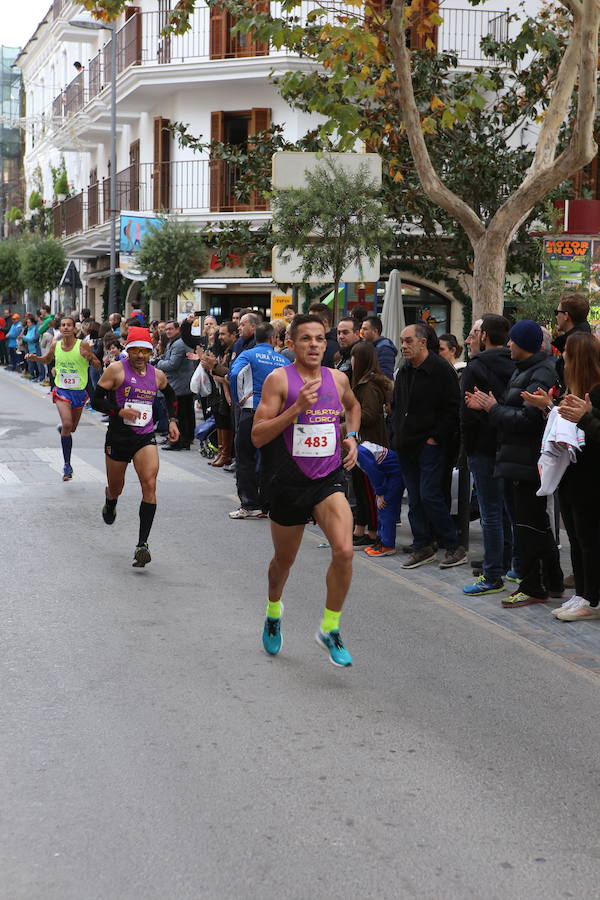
(72, 359)
(126, 392)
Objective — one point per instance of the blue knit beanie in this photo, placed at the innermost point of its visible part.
(527, 335)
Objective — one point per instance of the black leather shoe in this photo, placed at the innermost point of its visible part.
(168, 446)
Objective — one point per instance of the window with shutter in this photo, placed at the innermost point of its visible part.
(134, 175)
(416, 35)
(225, 45)
(131, 38)
(216, 167)
(234, 128)
(260, 120)
(162, 168)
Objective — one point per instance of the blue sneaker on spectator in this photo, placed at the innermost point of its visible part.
(272, 637)
(482, 586)
(511, 575)
(331, 641)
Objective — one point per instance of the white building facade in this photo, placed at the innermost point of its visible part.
(217, 84)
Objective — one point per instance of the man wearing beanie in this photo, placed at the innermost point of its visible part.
(520, 429)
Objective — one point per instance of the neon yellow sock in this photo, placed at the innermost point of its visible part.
(330, 621)
(274, 609)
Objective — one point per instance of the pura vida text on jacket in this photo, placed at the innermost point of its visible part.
(425, 405)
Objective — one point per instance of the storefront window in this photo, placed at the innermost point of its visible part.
(422, 304)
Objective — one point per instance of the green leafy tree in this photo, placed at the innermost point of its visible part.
(337, 220)
(11, 282)
(172, 255)
(43, 262)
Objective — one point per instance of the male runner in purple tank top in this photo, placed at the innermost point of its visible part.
(297, 425)
(126, 391)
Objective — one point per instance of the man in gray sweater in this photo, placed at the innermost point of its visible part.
(179, 370)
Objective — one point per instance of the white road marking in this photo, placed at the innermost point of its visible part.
(170, 472)
(85, 472)
(7, 476)
(82, 470)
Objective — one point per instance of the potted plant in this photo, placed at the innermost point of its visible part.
(14, 215)
(61, 186)
(35, 200)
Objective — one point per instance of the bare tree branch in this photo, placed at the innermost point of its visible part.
(432, 184)
(581, 148)
(574, 6)
(558, 107)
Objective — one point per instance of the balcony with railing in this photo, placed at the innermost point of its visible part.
(140, 43)
(182, 187)
(463, 31)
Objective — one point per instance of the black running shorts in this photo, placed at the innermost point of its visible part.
(122, 447)
(293, 504)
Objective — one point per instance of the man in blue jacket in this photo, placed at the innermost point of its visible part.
(246, 378)
(386, 349)
(11, 339)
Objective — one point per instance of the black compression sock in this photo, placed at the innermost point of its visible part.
(67, 446)
(147, 511)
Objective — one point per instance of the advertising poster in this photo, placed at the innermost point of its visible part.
(132, 230)
(569, 259)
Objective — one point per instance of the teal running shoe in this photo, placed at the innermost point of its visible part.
(483, 586)
(333, 644)
(67, 473)
(272, 638)
(511, 575)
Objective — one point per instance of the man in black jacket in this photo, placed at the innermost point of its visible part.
(489, 370)
(571, 316)
(425, 427)
(520, 429)
(348, 335)
(333, 348)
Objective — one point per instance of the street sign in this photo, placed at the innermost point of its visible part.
(278, 301)
(289, 272)
(290, 168)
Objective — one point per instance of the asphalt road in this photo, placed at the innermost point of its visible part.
(150, 750)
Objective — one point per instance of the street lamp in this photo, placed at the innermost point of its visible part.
(113, 303)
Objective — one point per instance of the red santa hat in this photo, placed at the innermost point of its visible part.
(138, 337)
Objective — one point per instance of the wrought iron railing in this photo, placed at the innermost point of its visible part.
(140, 43)
(182, 187)
(463, 31)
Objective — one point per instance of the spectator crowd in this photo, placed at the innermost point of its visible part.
(518, 409)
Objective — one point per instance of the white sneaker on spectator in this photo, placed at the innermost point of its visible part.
(579, 610)
(572, 601)
(242, 513)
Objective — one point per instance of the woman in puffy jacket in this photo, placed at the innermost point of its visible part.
(372, 389)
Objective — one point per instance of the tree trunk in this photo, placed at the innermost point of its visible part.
(489, 271)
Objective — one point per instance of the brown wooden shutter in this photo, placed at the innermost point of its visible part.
(219, 22)
(260, 48)
(131, 49)
(134, 175)
(162, 159)
(416, 38)
(216, 167)
(260, 120)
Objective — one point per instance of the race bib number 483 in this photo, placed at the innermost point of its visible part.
(69, 380)
(314, 440)
(144, 411)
